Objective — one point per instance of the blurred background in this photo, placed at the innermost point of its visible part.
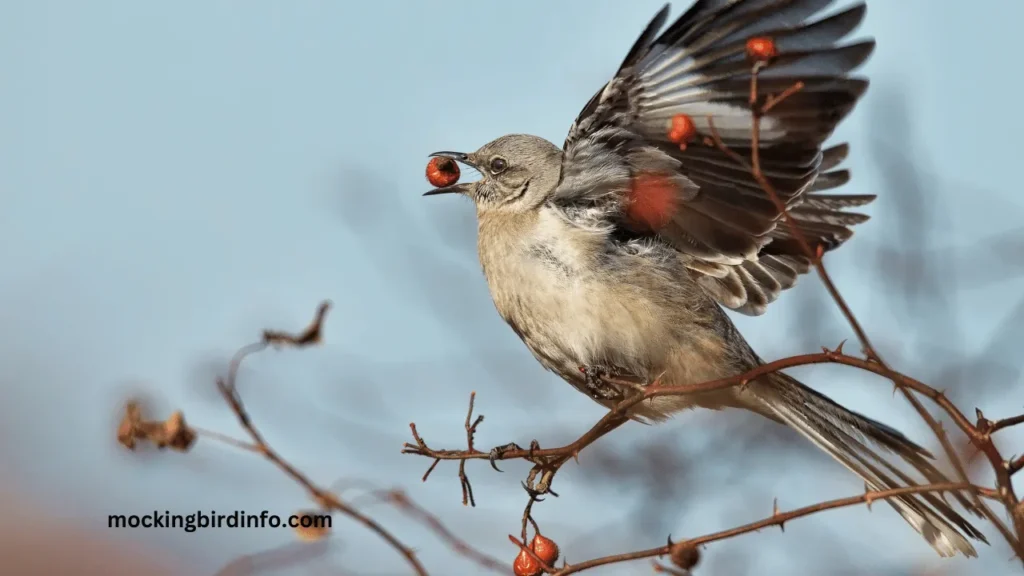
(174, 177)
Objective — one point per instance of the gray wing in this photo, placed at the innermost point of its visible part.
(725, 228)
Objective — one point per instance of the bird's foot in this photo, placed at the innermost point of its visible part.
(597, 384)
(498, 452)
(603, 383)
(538, 482)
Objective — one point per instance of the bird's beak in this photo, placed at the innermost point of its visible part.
(460, 188)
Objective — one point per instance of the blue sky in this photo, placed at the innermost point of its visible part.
(177, 176)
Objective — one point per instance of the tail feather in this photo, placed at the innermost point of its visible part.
(844, 435)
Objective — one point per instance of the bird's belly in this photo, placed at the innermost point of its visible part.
(569, 325)
(573, 320)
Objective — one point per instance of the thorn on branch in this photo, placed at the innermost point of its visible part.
(837, 352)
(1015, 465)
(984, 425)
(776, 513)
(869, 495)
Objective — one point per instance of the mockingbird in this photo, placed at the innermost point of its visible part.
(614, 254)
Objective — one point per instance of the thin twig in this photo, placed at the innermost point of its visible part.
(467, 488)
(1006, 423)
(527, 519)
(225, 439)
(402, 501)
(324, 498)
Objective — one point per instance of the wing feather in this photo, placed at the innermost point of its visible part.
(727, 231)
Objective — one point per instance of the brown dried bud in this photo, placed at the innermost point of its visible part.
(685, 555)
(128, 429)
(312, 526)
(177, 435)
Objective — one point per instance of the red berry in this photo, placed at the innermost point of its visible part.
(442, 172)
(761, 49)
(526, 565)
(682, 130)
(545, 549)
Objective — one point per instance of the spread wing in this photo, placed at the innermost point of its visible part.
(621, 170)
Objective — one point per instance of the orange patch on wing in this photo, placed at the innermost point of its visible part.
(652, 201)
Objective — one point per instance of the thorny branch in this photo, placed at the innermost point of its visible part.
(979, 432)
(776, 519)
(325, 499)
(176, 434)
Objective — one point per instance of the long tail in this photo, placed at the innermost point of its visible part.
(845, 435)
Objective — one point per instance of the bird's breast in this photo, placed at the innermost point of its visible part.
(547, 283)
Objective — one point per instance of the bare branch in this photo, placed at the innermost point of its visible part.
(776, 519)
(310, 336)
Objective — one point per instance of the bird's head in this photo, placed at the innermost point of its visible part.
(519, 172)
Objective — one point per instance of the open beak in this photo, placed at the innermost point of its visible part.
(460, 188)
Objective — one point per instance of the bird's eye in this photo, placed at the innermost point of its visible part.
(498, 164)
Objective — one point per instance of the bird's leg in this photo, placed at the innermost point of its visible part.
(604, 383)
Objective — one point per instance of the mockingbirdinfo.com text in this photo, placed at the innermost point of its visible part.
(237, 519)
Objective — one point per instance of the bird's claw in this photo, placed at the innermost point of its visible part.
(537, 488)
(535, 494)
(596, 385)
(497, 452)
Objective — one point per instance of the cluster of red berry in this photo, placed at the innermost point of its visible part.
(527, 565)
